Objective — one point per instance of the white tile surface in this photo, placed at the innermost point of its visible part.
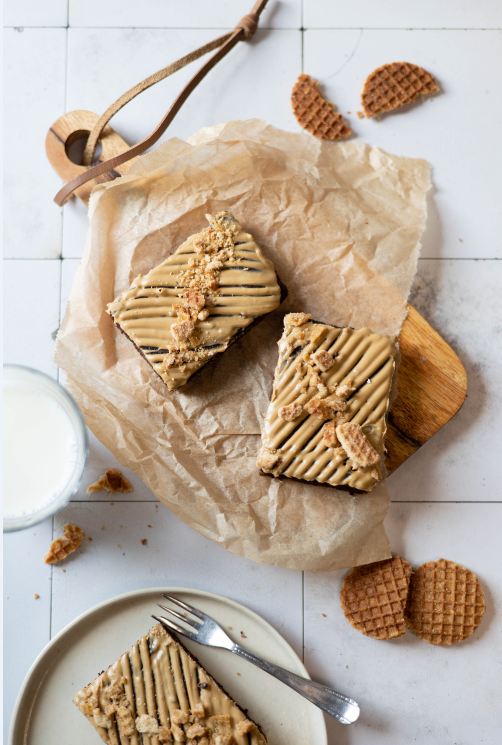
(170, 14)
(35, 13)
(34, 97)
(411, 691)
(398, 14)
(228, 92)
(174, 555)
(25, 619)
(460, 299)
(31, 312)
(460, 141)
(75, 227)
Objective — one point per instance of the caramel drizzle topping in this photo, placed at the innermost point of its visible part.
(156, 677)
(363, 369)
(223, 266)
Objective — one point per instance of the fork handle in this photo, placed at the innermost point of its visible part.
(342, 708)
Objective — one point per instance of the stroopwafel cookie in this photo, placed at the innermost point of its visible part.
(393, 85)
(373, 597)
(445, 604)
(314, 113)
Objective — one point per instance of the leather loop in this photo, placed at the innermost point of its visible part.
(248, 24)
(244, 30)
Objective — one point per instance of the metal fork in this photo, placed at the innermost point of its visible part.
(208, 632)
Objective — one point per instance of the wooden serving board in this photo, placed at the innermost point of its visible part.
(431, 382)
(431, 388)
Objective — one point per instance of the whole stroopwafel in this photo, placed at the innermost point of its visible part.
(314, 113)
(394, 85)
(445, 603)
(373, 597)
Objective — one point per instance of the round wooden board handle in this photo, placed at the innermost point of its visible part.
(72, 127)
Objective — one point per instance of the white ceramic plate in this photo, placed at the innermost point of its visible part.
(45, 712)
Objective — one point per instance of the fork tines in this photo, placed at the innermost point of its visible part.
(186, 607)
(174, 627)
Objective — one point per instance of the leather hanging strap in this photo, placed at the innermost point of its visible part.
(243, 31)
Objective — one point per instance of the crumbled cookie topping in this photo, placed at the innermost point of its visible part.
(345, 389)
(267, 459)
(316, 333)
(296, 319)
(147, 725)
(196, 730)
(198, 711)
(112, 481)
(177, 733)
(179, 717)
(325, 408)
(356, 445)
(102, 720)
(63, 547)
(225, 738)
(213, 247)
(244, 726)
(165, 734)
(290, 412)
(323, 360)
(329, 434)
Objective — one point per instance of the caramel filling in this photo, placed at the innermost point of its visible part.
(159, 685)
(355, 388)
(190, 307)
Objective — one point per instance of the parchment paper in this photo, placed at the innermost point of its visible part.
(342, 224)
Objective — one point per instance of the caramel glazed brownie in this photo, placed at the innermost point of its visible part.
(158, 693)
(201, 299)
(326, 421)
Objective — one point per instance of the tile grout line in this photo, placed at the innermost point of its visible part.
(261, 28)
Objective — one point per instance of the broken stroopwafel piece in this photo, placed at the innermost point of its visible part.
(394, 85)
(314, 113)
(373, 597)
(445, 604)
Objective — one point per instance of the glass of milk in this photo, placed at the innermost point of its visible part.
(44, 447)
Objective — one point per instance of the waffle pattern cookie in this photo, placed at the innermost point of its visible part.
(314, 113)
(394, 85)
(373, 598)
(445, 604)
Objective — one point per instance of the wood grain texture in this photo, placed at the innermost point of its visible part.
(431, 383)
(431, 388)
(74, 126)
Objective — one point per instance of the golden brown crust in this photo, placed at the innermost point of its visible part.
(373, 597)
(446, 602)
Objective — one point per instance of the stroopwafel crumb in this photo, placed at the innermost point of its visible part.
(63, 547)
(112, 481)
